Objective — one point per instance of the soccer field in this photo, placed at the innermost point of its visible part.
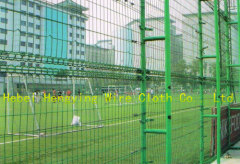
(173, 67)
(115, 138)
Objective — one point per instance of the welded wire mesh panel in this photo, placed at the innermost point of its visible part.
(61, 61)
(45, 128)
(186, 85)
(72, 72)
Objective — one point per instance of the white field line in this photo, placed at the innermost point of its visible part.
(121, 104)
(149, 117)
(103, 126)
(18, 140)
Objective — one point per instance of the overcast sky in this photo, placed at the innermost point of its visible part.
(106, 17)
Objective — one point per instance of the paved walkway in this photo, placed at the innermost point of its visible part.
(233, 154)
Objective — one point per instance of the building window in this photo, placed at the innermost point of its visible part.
(23, 23)
(23, 12)
(78, 44)
(4, 1)
(24, 2)
(3, 31)
(30, 35)
(4, 42)
(4, 20)
(30, 64)
(3, 10)
(70, 34)
(82, 28)
(78, 19)
(78, 35)
(22, 63)
(78, 52)
(70, 51)
(23, 43)
(22, 33)
(83, 36)
(38, 7)
(3, 63)
(38, 37)
(31, 4)
(82, 57)
(30, 45)
(82, 52)
(38, 27)
(71, 17)
(71, 43)
(31, 14)
(37, 46)
(30, 24)
(82, 19)
(37, 65)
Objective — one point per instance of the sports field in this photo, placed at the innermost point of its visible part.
(114, 138)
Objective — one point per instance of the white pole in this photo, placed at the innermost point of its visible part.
(31, 104)
(132, 91)
(8, 105)
(73, 82)
(99, 115)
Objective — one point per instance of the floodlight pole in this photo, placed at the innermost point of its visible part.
(143, 82)
(238, 22)
(168, 103)
(218, 80)
(227, 40)
(235, 65)
(167, 29)
(201, 49)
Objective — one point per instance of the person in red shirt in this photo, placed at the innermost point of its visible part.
(69, 92)
(54, 92)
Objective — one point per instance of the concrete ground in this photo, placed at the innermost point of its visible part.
(231, 156)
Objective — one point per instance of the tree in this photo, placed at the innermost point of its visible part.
(213, 69)
(180, 68)
(194, 68)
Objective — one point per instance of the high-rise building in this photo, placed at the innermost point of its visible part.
(191, 40)
(128, 47)
(42, 28)
(102, 52)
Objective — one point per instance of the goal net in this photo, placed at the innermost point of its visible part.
(120, 92)
(45, 106)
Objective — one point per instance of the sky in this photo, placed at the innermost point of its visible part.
(106, 17)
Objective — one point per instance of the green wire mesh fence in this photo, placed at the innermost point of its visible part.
(86, 81)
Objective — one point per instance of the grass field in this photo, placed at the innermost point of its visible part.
(118, 141)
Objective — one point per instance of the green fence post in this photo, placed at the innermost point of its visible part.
(218, 80)
(143, 83)
(201, 81)
(168, 81)
(238, 21)
(226, 14)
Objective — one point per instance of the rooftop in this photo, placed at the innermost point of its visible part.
(149, 19)
(73, 6)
